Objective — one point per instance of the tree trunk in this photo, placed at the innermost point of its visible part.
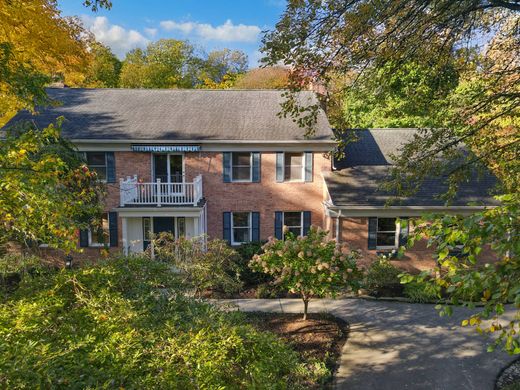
(305, 307)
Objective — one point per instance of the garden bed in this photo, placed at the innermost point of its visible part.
(318, 341)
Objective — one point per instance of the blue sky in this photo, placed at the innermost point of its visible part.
(235, 24)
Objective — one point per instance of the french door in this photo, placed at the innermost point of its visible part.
(169, 168)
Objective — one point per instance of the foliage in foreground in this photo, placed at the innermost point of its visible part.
(474, 274)
(312, 265)
(201, 266)
(46, 191)
(126, 324)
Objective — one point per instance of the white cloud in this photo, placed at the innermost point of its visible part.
(151, 32)
(119, 39)
(227, 32)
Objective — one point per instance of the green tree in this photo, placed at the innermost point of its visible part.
(222, 67)
(469, 272)
(373, 45)
(104, 68)
(46, 190)
(312, 266)
(167, 63)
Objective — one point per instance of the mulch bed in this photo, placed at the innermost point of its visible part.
(320, 338)
(509, 378)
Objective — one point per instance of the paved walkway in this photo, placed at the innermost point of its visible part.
(394, 345)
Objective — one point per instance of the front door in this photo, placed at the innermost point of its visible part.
(164, 224)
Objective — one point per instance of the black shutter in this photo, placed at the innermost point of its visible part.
(112, 228)
(255, 228)
(372, 233)
(226, 160)
(256, 167)
(403, 233)
(83, 238)
(308, 166)
(227, 227)
(111, 167)
(279, 166)
(278, 224)
(306, 222)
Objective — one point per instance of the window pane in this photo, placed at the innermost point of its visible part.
(240, 235)
(241, 173)
(147, 229)
(181, 225)
(176, 168)
(292, 219)
(240, 219)
(295, 159)
(101, 172)
(99, 234)
(297, 231)
(386, 224)
(96, 158)
(160, 163)
(242, 158)
(385, 239)
(293, 173)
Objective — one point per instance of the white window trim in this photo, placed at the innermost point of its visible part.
(397, 233)
(301, 221)
(94, 166)
(249, 228)
(250, 180)
(98, 244)
(304, 160)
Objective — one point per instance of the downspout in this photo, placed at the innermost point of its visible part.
(338, 219)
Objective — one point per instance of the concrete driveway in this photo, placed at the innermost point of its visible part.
(394, 345)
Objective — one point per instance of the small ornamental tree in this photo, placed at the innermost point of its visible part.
(313, 265)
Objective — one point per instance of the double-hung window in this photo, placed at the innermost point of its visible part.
(97, 162)
(294, 168)
(241, 166)
(387, 233)
(99, 235)
(293, 222)
(240, 228)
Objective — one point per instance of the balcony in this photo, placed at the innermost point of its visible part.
(135, 193)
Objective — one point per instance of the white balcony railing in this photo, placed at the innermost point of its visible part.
(134, 193)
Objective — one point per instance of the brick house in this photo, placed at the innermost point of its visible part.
(223, 163)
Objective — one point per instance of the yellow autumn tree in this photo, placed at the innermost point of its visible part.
(37, 45)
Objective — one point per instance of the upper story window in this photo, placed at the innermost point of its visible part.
(294, 166)
(241, 166)
(97, 162)
(103, 163)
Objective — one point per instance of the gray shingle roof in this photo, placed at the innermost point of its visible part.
(367, 164)
(151, 114)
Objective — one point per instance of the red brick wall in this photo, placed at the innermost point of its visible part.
(267, 196)
(354, 231)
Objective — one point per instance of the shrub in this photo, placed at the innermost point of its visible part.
(125, 323)
(202, 266)
(381, 276)
(248, 276)
(420, 292)
(313, 266)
